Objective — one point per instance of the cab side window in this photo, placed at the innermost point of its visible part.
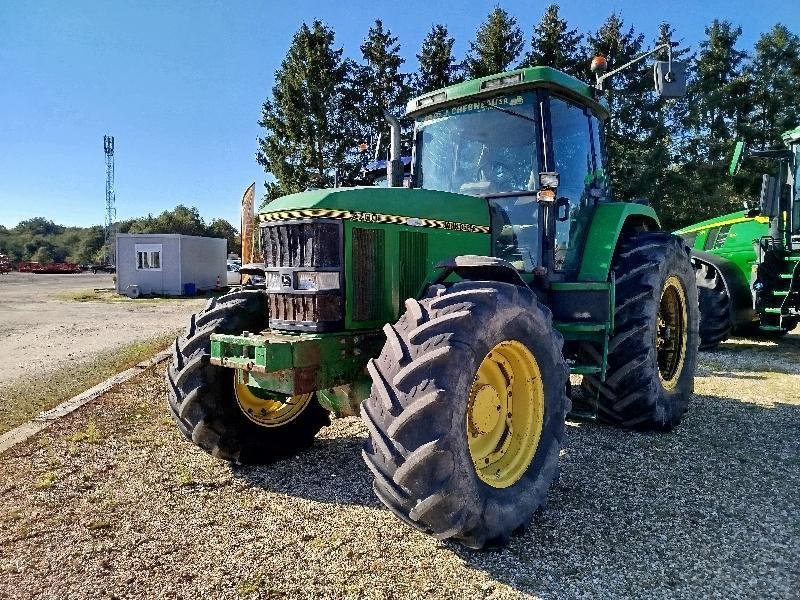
(576, 164)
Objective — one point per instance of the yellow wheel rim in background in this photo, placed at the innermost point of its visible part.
(505, 414)
(268, 409)
(671, 332)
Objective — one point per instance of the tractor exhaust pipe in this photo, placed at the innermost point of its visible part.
(394, 168)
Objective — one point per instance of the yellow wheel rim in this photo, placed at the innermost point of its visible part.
(505, 414)
(671, 332)
(268, 409)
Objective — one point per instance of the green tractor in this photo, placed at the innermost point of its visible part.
(748, 278)
(450, 314)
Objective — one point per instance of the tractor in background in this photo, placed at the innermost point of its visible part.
(748, 278)
(450, 313)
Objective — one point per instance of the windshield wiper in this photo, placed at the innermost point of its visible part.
(512, 113)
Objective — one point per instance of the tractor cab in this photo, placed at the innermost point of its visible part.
(534, 153)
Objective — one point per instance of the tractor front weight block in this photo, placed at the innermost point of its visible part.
(294, 364)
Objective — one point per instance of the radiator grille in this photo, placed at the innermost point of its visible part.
(311, 244)
(368, 261)
(305, 307)
(413, 263)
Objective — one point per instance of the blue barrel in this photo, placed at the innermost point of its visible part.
(189, 289)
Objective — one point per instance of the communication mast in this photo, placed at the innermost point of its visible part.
(111, 209)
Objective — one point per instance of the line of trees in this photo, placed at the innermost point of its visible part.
(41, 240)
(325, 107)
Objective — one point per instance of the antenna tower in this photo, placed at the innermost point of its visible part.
(111, 208)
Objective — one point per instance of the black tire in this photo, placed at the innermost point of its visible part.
(633, 394)
(715, 307)
(201, 395)
(416, 414)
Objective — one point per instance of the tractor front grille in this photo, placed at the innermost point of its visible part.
(311, 243)
(308, 308)
(290, 250)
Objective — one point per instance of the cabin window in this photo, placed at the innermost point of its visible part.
(148, 257)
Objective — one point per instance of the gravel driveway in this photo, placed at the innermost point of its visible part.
(39, 332)
(112, 502)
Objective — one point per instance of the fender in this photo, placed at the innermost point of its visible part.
(609, 221)
(738, 288)
(479, 268)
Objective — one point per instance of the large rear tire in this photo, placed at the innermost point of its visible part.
(653, 350)
(229, 420)
(467, 409)
(715, 307)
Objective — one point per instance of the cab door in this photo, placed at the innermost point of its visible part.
(575, 142)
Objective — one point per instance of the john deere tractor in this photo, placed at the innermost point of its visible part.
(748, 278)
(449, 315)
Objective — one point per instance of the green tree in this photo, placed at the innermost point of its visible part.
(43, 254)
(380, 85)
(309, 126)
(775, 73)
(438, 67)
(627, 97)
(223, 229)
(498, 44)
(719, 99)
(554, 44)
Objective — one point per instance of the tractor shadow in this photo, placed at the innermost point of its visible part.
(331, 471)
(651, 513)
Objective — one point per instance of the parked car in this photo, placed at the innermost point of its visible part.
(234, 278)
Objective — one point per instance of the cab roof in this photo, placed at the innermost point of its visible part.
(508, 82)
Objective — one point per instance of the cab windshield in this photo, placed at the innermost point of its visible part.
(480, 148)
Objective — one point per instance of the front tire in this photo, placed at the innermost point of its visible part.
(466, 415)
(652, 354)
(715, 307)
(228, 420)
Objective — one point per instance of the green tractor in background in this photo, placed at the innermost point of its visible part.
(450, 314)
(748, 278)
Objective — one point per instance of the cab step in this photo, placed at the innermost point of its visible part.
(584, 369)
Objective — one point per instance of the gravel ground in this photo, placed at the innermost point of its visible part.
(39, 332)
(112, 502)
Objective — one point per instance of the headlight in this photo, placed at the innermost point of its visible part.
(272, 280)
(316, 280)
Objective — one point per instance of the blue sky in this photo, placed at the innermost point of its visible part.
(180, 86)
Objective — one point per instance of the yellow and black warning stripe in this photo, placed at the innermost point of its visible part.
(370, 217)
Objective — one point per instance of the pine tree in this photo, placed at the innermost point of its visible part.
(498, 43)
(775, 72)
(627, 98)
(664, 182)
(719, 99)
(553, 44)
(380, 85)
(308, 123)
(437, 65)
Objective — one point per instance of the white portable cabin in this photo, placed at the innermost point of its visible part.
(167, 263)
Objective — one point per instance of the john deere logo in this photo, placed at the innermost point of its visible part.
(286, 280)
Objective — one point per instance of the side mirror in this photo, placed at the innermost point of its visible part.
(770, 196)
(736, 161)
(670, 78)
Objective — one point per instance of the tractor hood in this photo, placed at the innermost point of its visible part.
(402, 206)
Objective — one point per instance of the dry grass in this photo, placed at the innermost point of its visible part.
(111, 296)
(25, 398)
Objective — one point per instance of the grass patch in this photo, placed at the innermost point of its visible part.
(184, 475)
(23, 399)
(46, 481)
(112, 297)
